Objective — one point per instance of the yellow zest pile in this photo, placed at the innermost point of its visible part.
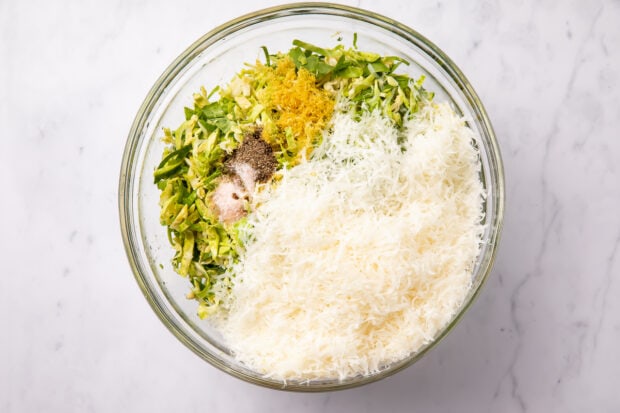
(300, 109)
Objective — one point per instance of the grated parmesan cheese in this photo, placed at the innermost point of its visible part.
(359, 256)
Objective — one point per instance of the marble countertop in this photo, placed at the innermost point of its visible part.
(76, 333)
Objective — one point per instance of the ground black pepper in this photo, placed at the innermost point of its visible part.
(256, 153)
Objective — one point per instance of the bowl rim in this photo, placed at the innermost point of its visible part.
(126, 214)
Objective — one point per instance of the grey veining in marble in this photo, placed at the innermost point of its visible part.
(76, 333)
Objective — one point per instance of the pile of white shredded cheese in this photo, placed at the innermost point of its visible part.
(359, 256)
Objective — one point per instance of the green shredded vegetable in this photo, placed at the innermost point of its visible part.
(194, 158)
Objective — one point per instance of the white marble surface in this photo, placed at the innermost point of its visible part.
(76, 333)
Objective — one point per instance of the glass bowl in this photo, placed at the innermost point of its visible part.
(211, 61)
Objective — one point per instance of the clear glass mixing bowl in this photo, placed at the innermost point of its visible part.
(211, 61)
